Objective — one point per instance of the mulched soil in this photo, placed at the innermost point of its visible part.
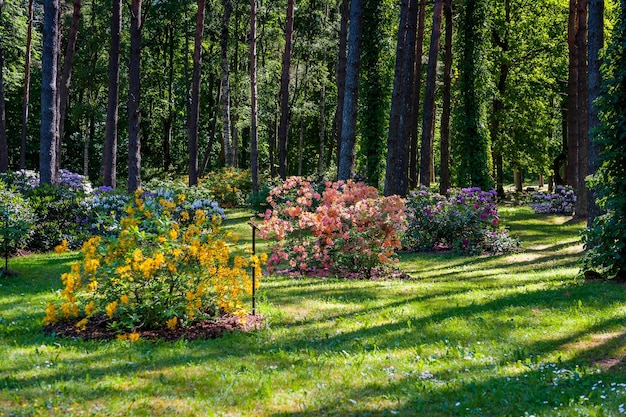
(209, 329)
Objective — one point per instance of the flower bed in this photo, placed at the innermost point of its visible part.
(340, 227)
(466, 221)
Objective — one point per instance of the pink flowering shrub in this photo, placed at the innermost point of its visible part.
(344, 228)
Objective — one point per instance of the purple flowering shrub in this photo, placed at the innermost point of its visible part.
(466, 221)
(562, 201)
(26, 180)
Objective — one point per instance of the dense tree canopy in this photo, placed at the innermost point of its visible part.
(507, 104)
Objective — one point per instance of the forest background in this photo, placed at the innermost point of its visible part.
(473, 92)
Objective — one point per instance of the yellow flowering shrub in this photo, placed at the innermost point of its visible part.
(159, 271)
(229, 186)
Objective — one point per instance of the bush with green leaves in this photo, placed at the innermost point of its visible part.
(60, 216)
(16, 220)
(229, 186)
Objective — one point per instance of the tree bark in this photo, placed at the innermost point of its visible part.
(194, 116)
(581, 46)
(110, 131)
(26, 102)
(444, 181)
(225, 103)
(254, 114)
(417, 91)
(213, 129)
(49, 94)
(168, 123)
(498, 104)
(428, 125)
(4, 146)
(596, 43)
(572, 98)
(396, 180)
(283, 129)
(66, 74)
(347, 137)
(342, 63)
(134, 111)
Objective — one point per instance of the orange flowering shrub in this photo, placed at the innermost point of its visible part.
(166, 268)
(346, 227)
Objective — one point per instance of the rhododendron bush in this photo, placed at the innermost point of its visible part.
(167, 267)
(466, 221)
(342, 227)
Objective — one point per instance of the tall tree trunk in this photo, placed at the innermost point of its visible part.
(49, 93)
(4, 146)
(596, 43)
(212, 131)
(428, 125)
(572, 98)
(283, 129)
(581, 47)
(347, 137)
(322, 128)
(168, 123)
(396, 180)
(110, 131)
(417, 91)
(134, 111)
(444, 181)
(342, 63)
(273, 136)
(502, 41)
(225, 103)
(66, 74)
(195, 96)
(254, 113)
(26, 102)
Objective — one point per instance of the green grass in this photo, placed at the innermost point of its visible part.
(509, 335)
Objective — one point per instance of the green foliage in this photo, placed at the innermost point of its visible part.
(17, 219)
(471, 147)
(606, 240)
(529, 51)
(60, 216)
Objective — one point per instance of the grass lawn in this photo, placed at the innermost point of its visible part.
(515, 335)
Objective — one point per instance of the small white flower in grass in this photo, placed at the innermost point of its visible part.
(457, 404)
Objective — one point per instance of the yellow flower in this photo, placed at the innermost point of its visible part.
(81, 325)
(184, 216)
(173, 234)
(111, 308)
(51, 314)
(181, 198)
(171, 323)
(122, 337)
(62, 248)
(90, 308)
(124, 299)
(133, 337)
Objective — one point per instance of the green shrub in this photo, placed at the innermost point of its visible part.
(16, 220)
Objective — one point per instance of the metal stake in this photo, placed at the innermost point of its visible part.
(254, 227)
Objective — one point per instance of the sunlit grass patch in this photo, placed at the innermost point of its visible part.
(513, 335)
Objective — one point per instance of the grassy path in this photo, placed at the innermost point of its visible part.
(510, 335)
